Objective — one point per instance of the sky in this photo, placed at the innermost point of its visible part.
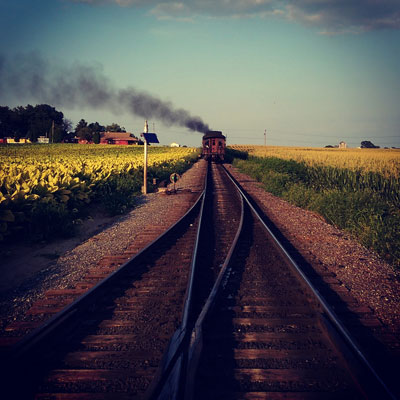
(305, 72)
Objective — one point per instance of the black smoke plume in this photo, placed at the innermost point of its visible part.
(30, 77)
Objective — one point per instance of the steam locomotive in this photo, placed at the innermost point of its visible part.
(214, 143)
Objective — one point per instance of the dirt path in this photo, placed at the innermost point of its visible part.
(42, 256)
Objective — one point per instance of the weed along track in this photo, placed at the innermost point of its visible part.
(213, 308)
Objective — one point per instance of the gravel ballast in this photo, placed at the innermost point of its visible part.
(372, 281)
(368, 278)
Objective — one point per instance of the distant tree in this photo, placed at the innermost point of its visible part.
(329, 146)
(81, 124)
(67, 126)
(69, 137)
(6, 122)
(82, 131)
(96, 127)
(34, 121)
(115, 128)
(86, 134)
(366, 144)
(96, 137)
(21, 121)
(59, 134)
(47, 115)
(90, 132)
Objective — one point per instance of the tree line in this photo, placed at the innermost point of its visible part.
(31, 122)
(91, 132)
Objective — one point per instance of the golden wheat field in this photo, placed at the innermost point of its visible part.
(385, 161)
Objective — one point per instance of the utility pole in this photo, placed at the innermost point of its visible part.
(147, 138)
(145, 130)
(52, 132)
(145, 168)
(265, 137)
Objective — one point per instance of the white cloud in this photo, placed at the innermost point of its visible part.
(340, 16)
(333, 16)
(172, 10)
(122, 3)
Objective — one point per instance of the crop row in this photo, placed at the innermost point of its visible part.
(384, 161)
(48, 188)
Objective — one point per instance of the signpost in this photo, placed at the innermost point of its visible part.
(148, 138)
(174, 177)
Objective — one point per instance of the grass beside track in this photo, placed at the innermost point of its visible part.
(383, 161)
(360, 200)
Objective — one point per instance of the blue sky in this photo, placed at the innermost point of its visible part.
(310, 72)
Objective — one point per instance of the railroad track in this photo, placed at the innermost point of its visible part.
(213, 308)
(109, 342)
(266, 333)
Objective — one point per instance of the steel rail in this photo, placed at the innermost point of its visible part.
(35, 339)
(172, 383)
(333, 318)
(165, 384)
(196, 338)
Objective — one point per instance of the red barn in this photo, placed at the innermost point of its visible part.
(118, 138)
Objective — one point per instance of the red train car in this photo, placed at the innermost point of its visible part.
(214, 143)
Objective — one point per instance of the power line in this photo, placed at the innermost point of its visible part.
(333, 135)
(321, 142)
(294, 135)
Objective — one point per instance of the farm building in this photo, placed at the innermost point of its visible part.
(84, 141)
(16, 141)
(119, 138)
(43, 139)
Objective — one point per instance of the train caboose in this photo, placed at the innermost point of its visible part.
(214, 143)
